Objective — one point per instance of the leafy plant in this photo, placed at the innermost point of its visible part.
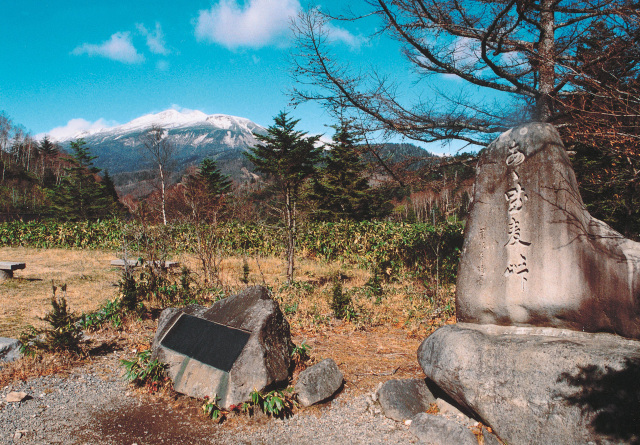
(300, 355)
(141, 370)
(274, 403)
(111, 311)
(212, 410)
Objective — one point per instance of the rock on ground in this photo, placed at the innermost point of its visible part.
(264, 359)
(9, 349)
(318, 382)
(439, 430)
(403, 399)
(540, 385)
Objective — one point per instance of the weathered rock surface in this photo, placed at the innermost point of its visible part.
(9, 349)
(439, 430)
(248, 346)
(15, 397)
(540, 385)
(532, 255)
(318, 382)
(403, 399)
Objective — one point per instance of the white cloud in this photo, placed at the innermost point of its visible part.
(74, 127)
(337, 34)
(118, 47)
(256, 24)
(155, 39)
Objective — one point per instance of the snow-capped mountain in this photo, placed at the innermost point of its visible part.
(194, 135)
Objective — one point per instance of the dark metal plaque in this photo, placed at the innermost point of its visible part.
(210, 343)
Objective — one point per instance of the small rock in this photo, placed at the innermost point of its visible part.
(13, 397)
(19, 434)
(407, 422)
(438, 430)
(319, 382)
(403, 399)
(9, 349)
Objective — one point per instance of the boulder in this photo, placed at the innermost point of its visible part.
(532, 254)
(318, 382)
(438, 430)
(9, 349)
(540, 385)
(240, 344)
(403, 399)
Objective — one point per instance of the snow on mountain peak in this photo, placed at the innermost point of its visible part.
(170, 119)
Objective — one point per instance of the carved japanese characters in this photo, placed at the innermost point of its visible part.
(533, 255)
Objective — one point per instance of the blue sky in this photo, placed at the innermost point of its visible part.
(70, 65)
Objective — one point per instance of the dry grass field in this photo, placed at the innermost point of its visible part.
(378, 342)
(89, 277)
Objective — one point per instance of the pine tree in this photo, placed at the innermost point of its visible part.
(289, 158)
(342, 192)
(215, 182)
(79, 196)
(205, 191)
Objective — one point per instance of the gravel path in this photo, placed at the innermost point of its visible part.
(94, 405)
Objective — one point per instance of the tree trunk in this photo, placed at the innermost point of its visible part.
(291, 233)
(164, 213)
(546, 54)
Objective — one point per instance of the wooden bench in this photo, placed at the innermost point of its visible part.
(7, 268)
(136, 263)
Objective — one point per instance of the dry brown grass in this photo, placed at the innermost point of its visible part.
(89, 277)
(378, 344)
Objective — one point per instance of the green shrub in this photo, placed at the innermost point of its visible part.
(141, 370)
(274, 403)
(111, 311)
(63, 334)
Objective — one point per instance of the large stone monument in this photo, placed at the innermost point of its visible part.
(535, 269)
(240, 344)
(532, 255)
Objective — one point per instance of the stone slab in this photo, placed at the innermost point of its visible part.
(540, 385)
(263, 360)
(10, 265)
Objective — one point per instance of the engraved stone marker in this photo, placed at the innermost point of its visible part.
(205, 341)
(532, 255)
(239, 344)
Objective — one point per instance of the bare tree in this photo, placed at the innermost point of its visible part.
(522, 49)
(159, 150)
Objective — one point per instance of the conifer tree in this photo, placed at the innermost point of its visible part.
(79, 196)
(288, 157)
(215, 182)
(341, 192)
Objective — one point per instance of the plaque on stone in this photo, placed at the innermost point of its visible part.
(205, 341)
(239, 344)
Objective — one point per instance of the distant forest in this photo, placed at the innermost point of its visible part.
(40, 180)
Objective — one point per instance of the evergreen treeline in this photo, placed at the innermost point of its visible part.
(39, 180)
